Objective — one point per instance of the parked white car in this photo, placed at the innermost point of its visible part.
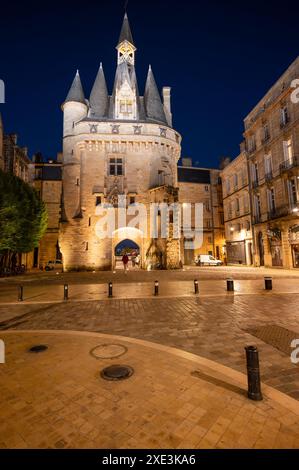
(56, 264)
(208, 260)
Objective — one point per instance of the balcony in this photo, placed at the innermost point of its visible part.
(266, 139)
(257, 219)
(268, 176)
(285, 122)
(283, 211)
(252, 148)
(288, 164)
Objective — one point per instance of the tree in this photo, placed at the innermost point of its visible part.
(23, 218)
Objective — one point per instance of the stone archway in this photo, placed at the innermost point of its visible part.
(133, 236)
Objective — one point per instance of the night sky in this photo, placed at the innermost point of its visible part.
(218, 57)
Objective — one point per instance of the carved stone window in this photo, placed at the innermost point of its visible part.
(163, 132)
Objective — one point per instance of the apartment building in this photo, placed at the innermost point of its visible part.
(237, 213)
(47, 180)
(272, 148)
(203, 185)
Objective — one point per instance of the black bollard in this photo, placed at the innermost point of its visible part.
(65, 292)
(230, 285)
(253, 373)
(20, 293)
(195, 286)
(156, 287)
(110, 289)
(268, 283)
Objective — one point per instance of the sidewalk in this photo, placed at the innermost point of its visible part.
(57, 399)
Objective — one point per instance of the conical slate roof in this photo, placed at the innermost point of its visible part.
(152, 100)
(76, 92)
(98, 100)
(125, 33)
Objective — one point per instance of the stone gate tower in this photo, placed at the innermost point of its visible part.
(121, 144)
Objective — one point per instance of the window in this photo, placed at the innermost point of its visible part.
(292, 191)
(209, 239)
(255, 172)
(98, 200)
(209, 223)
(246, 203)
(266, 132)
(89, 221)
(237, 205)
(235, 180)
(288, 150)
(125, 106)
(251, 143)
(221, 218)
(77, 181)
(284, 116)
(257, 204)
(132, 199)
(86, 246)
(227, 186)
(207, 206)
(271, 200)
(268, 165)
(115, 167)
(207, 189)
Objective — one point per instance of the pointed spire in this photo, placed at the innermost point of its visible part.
(125, 33)
(76, 92)
(99, 95)
(152, 100)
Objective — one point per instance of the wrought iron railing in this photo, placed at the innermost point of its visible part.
(289, 164)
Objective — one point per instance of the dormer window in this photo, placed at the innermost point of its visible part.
(126, 106)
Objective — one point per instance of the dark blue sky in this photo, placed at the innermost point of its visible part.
(218, 57)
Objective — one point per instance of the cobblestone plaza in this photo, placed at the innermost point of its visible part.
(199, 339)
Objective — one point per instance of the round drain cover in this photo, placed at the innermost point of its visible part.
(38, 348)
(108, 351)
(117, 372)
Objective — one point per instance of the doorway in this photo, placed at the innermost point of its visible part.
(131, 249)
(260, 244)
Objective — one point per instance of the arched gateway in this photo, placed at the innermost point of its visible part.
(129, 240)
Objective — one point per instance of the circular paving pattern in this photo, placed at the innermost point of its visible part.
(117, 372)
(108, 351)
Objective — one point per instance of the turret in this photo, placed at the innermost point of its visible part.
(152, 101)
(98, 100)
(74, 107)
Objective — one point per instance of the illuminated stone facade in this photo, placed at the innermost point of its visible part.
(121, 144)
(272, 145)
(237, 212)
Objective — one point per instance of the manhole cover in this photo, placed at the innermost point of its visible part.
(108, 351)
(117, 372)
(38, 348)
